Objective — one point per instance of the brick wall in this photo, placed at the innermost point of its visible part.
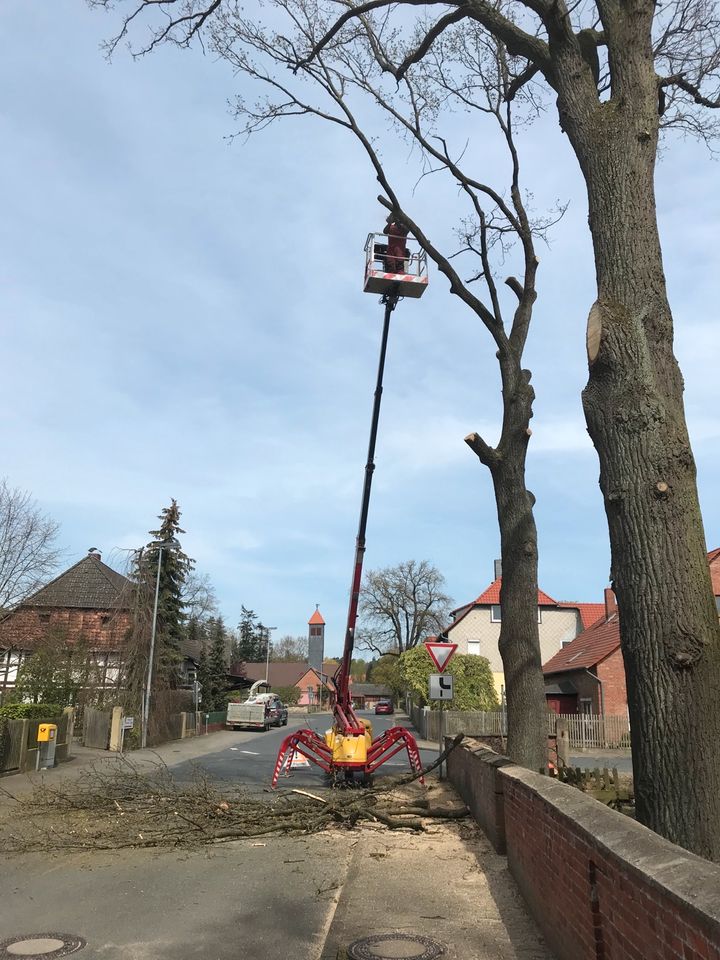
(612, 673)
(600, 885)
(479, 786)
(104, 630)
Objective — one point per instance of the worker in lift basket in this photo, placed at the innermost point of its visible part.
(397, 252)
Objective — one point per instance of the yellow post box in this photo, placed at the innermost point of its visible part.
(47, 731)
(46, 740)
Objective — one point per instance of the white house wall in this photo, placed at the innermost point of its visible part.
(555, 627)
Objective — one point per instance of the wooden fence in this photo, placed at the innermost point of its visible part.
(96, 728)
(585, 732)
(18, 742)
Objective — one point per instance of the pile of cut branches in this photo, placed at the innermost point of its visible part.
(112, 806)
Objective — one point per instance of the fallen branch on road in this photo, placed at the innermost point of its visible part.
(129, 804)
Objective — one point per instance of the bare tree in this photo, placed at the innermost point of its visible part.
(402, 605)
(289, 649)
(618, 72)
(199, 596)
(478, 71)
(28, 552)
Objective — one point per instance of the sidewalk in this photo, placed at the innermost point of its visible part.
(446, 885)
(308, 897)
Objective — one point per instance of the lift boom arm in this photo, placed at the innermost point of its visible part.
(343, 711)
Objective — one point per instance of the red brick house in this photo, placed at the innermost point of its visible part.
(89, 600)
(297, 673)
(588, 674)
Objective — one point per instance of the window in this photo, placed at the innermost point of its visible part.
(44, 617)
(496, 614)
(586, 707)
(315, 631)
(566, 643)
(474, 647)
(105, 620)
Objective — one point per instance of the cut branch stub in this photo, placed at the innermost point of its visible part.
(594, 332)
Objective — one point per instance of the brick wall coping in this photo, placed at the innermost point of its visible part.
(685, 877)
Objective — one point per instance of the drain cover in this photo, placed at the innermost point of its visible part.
(395, 946)
(37, 946)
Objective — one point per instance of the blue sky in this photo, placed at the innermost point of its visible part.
(184, 317)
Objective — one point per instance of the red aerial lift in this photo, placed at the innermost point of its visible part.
(348, 746)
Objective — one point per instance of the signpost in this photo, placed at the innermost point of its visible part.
(440, 653)
(442, 689)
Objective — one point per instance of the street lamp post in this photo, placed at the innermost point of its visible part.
(267, 653)
(161, 545)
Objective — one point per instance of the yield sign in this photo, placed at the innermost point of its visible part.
(440, 653)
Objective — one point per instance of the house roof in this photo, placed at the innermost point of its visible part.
(588, 648)
(88, 584)
(317, 617)
(371, 690)
(590, 613)
(714, 561)
(492, 595)
(283, 673)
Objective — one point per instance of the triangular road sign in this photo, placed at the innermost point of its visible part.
(440, 653)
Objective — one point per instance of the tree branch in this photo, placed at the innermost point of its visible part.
(678, 80)
(486, 454)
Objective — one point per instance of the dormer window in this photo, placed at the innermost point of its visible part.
(44, 617)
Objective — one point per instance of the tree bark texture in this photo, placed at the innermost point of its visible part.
(634, 410)
(519, 642)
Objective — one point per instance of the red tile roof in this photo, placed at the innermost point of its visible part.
(492, 595)
(283, 673)
(590, 613)
(714, 561)
(588, 648)
(317, 617)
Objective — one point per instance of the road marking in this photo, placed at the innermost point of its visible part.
(251, 752)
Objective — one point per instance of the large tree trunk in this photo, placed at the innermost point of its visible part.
(634, 410)
(519, 643)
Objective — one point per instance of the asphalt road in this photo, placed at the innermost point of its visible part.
(250, 757)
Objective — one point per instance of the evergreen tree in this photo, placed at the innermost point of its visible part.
(174, 568)
(247, 647)
(217, 666)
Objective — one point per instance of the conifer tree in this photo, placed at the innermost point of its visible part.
(174, 567)
(217, 666)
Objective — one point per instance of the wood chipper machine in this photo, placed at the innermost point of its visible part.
(348, 748)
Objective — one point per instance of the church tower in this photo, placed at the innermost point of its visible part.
(316, 640)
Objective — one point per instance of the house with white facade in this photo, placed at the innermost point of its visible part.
(475, 626)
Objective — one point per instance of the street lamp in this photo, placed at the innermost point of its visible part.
(267, 655)
(160, 545)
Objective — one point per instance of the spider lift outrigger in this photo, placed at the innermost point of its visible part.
(348, 746)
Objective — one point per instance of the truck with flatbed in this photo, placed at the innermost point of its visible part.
(259, 712)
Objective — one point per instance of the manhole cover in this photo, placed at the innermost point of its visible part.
(39, 945)
(395, 946)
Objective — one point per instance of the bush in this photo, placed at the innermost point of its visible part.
(288, 695)
(30, 711)
(474, 686)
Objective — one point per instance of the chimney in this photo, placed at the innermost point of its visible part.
(498, 569)
(610, 603)
(94, 552)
